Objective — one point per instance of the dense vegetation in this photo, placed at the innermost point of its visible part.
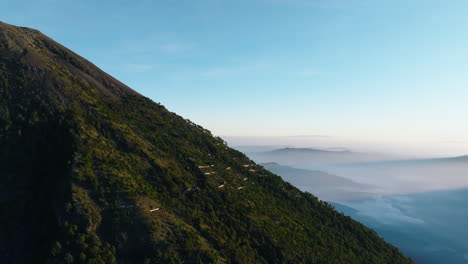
(92, 172)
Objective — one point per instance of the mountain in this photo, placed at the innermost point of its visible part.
(463, 158)
(460, 160)
(408, 175)
(310, 158)
(325, 186)
(93, 172)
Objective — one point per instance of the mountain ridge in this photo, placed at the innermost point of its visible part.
(312, 150)
(316, 159)
(93, 172)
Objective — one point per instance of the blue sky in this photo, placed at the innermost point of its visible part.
(364, 70)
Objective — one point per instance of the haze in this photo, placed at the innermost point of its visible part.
(378, 71)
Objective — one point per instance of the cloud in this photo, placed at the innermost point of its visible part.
(217, 72)
(387, 211)
(454, 141)
(154, 44)
(309, 136)
(176, 47)
(325, 4)
(245, 69)
(309, 73)
(138, 67)
(258, 68)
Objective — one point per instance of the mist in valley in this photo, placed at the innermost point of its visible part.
(416, 202)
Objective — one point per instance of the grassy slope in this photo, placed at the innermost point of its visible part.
(84, 159)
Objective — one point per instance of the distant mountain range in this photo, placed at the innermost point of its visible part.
(388, 174)
(416, 204)
(325, 186)
(310, 158)
(415, 162)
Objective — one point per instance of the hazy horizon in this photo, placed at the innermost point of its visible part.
(404, 149)
(376, 75)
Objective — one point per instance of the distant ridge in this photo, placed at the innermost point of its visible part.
(314, 158)
(312, 150)
(326, 186)
(428, 161)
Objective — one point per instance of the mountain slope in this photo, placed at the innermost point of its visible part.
(93, 172)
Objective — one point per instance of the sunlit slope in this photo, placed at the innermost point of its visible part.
(93, 172)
